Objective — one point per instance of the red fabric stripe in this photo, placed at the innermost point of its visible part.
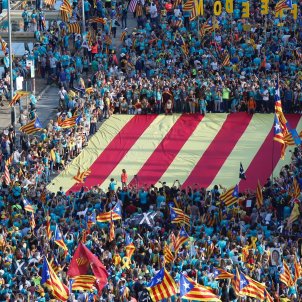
(221, 147)
(117, 149)
(262, 164)
(168, 149)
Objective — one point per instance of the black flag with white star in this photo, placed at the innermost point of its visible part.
(242, 172)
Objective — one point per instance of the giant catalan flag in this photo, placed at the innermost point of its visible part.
(191, 148)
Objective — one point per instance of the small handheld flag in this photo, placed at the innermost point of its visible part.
(242, 172)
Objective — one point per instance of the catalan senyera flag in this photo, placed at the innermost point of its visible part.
(27, 206)
(192, 291)
(32, 127)
(295, 213)
(295, 189)
(188, 6)
(6, 176)
(279, 136)
(168, 256)
(162, 286)
(97, 20)
(10, 160)
(178, 216)
(130, 248)
(122, 137)
(253, 289)
(3, 45)
(230, 196)
(219, 273)
(182, 238)
(47, 224)
(49, 278)
(55, 265)
(259, 195)
(116, 214)
(111, 229)
(292, 138)
(74, 28)
(64, 16)
(14, 100)
(81, 176)
(66, 6)
(279, 110)
(69, 122)
(268, 297)
(286, 276)
(226, 60)
(83, 282)
(59, 240)
(282, 5)
(32, 221)
(298, 270)
(83, 261)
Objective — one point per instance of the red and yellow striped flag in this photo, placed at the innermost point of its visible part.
(259, 196)
(295, 189)
(74, 28)
(32, 221)
(48, 231)
(83, 282)
(64, 16)
(130, 249)
(66, 6)
(298, 270)
(3, 45)
(230, 196)
(68, 122)
(188, 6)
(14, 100)
(162, 286)
(226, 61)
(254, 289)
(6, 175)
(168, 256)
(10, 160)
(286, 276)
(97, 20)
(32, 127)
(111, 230)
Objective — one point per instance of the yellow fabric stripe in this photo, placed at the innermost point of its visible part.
(287, 157)
(245, 150)
(143, 148)
(87, 157)
(194, 148)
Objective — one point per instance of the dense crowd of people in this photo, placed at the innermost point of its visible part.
(166, 64)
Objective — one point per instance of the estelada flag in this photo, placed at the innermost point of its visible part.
(82, 261)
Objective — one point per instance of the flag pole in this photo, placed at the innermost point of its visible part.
(273, 151)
